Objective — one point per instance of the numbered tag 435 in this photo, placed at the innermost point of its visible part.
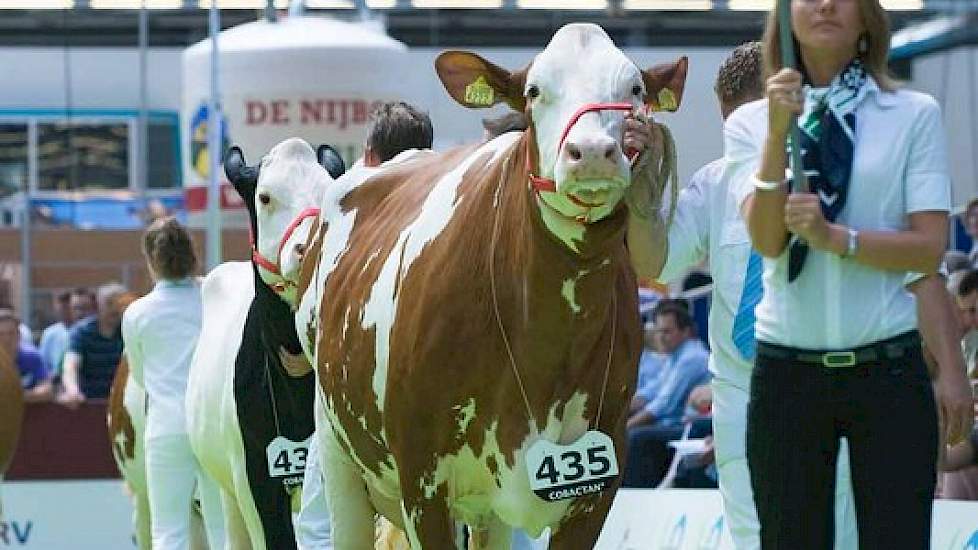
(584, 467)
(286, 457)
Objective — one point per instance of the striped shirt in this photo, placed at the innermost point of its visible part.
(99, 357)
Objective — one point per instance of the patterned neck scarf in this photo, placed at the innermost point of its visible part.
(828, 136)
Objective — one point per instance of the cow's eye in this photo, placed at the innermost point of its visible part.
(533, 91)
(264, 198)
(636, 90)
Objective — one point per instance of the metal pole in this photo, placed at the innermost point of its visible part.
(214, 151)
(296, 8)
(26, 302)
(788, 61)
(142, 179)
(362, 9)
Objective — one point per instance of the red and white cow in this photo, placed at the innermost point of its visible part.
(127, 425)
(474, 314)
(11, 412)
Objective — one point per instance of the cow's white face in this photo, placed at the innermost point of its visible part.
(290, 181)
(582, 66)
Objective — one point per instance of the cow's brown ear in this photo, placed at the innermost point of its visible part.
(476, 83)
(664, 84)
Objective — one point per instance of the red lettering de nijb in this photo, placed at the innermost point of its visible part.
(341, 113)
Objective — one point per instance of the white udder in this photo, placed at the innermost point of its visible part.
(475, 493)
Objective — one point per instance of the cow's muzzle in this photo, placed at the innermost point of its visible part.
(281, 284)
(589, 158)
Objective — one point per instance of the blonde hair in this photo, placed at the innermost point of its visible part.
(877, 36)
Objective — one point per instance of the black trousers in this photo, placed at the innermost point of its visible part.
(797, 413)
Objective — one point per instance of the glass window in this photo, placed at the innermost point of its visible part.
(83, 156)
(164, 170)
(13, 158)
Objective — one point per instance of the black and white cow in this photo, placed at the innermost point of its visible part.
(251, 389)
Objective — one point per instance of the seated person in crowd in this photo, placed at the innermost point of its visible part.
(955, 260)
(649, 366)
(94, 349)
(970, 221)
(699, 471)
(960, 480)
(35, 379)
(54, 339)
(662, 400)
(657, 414)
(963, 285)
(960, 465)
(23, 331)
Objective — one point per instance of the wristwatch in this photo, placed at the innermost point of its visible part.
(852, 244)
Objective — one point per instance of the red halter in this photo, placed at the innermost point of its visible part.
(274, 267)
(540, 184)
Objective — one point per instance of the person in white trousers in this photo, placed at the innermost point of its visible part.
(160, 332)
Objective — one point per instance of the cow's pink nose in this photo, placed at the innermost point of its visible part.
(586, 150)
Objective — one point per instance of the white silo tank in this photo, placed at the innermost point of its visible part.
(311, 77)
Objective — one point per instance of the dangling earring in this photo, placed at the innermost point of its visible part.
(863, 45)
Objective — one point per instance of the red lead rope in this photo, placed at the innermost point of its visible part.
(264, 262)
(541, 184)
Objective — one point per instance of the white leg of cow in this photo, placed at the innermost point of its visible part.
(140, 520)
(500, 536)
(497, 536)
(211, 510)
(198, 533)
(236, 532)
(582, 530)
(427, 522)
(246, 507)
(351, 514)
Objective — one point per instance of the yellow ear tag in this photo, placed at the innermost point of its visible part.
(479, 93)
(667, 100)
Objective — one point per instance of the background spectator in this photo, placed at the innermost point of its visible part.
(35, 379)
(94, 349)
(83, 304)
(649, 364)
(659, 407)
(963, 285)
(955, 260)
(961, 467)
(970, 221)
(54, 339)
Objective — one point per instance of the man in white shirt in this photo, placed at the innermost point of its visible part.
(708, 226)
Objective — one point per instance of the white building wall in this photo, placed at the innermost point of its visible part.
(952, 78)
(101, 78)
(108, 78)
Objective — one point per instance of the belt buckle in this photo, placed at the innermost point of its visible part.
(835, 359)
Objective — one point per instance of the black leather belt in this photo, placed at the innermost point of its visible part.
(892, 348)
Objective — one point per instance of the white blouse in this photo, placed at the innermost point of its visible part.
(160, 331)
(899, 167)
